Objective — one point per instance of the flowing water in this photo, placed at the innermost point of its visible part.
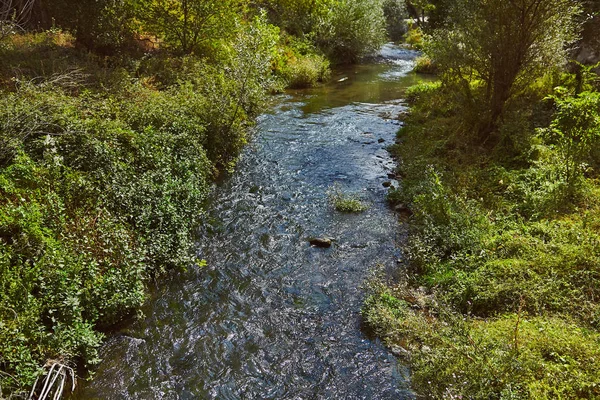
(271, 317)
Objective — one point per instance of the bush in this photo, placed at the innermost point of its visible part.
(354, 28)
(575, 130)
(424, 65)
(306, 71)
(502, 302)
(101, 190)
(415, 38)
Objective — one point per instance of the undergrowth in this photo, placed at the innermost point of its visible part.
(501, 296)
(104, 173)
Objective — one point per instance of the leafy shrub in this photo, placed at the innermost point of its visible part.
(415, 38)
(416, 92)
(424, 65)
(354, 28)
(102, 190)
(395, 15)
(306, 71)
(576, 130)
(504, 302)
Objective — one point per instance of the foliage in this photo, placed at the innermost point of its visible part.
(353, 29)
(102, 183)
(425, 65)
(415, 38)
(101, 25)
(298, 17)
(188, 25)
(576, 130)
(504, 45)
(514, 356)
(395, 15)
(503, 249)
(346, 202)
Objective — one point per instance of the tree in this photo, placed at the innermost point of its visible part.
(504, 44)
(297, 17)
(353, 29)
(395, 14)
(188, 24)
(14, 14)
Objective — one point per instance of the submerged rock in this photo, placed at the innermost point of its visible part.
(400, 351)
(387, 184)
(321, 242)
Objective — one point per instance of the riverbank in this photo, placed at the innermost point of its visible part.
(106, 165)
(116, 121)
(498, 292)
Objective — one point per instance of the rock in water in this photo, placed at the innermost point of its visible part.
(320, 242)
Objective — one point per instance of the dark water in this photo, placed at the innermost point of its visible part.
(270, 317)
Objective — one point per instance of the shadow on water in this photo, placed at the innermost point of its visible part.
(271, 317)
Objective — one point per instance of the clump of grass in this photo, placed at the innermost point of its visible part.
(346, 202)
(515, 355)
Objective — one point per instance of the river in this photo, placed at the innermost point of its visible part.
(269, 316)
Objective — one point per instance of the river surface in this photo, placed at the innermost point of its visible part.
(271, 317)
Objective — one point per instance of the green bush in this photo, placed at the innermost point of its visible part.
(354, 28)
(575, 130)
(424, 65)
(306, 71)
(502, 301)
(415, 38)
(100, 190)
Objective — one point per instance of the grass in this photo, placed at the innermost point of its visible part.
(500, 298)
(346, 202)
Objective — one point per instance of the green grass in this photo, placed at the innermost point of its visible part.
(346, 202)
(502, 295)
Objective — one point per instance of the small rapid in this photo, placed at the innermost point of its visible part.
(271, 317)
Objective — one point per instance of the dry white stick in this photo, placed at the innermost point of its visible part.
(56, 374)
(46, 380)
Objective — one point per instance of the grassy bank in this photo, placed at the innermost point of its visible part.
(104, 172)
(110, 141)
(499, 296)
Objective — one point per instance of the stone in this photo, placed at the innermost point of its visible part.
(324, 242)
(381, 140)
(387, 184)
(402, 209)
(399, 351)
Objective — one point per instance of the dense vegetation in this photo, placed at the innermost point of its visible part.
(499, 294)
(115, 119)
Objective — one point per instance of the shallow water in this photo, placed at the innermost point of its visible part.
(270, 317)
